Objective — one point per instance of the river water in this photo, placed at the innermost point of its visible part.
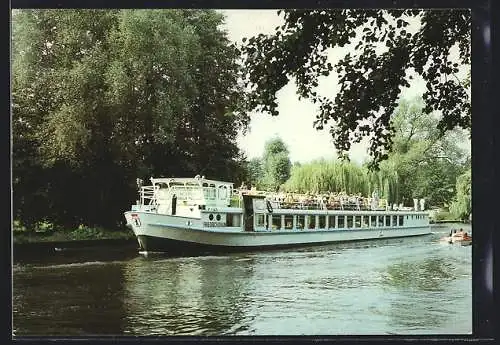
(393, 286)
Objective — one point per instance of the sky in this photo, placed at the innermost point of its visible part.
(294, 124)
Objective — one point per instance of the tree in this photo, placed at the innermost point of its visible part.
(427, 163)
(101, 97)
(333, 176)
(276, 164)
(386, 54)
(59, 59)
(255, 172)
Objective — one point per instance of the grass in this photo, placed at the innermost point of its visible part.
(47, 232)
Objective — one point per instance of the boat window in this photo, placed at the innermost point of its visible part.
(331, 221)
(211, 191)
(380, 221)
(300, 222)
(311, 222)
(387, 220)
(222, 192)
(288, 221)
(373, 221)
(394, 220)
(401, 219)
(276, 222)
(321, 222)
(340, 220)
(349, 222)
(260, 220)
(357, 221)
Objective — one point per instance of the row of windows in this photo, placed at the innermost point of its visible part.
(209, 191)
(194, 193)
(320, 221)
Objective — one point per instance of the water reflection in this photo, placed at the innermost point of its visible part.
(426, 294)
(179, 296)
(431, 274)
(412, 285)
(77, 298)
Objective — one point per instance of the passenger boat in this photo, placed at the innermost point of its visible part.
(198, 213)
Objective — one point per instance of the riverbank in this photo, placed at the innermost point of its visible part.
(81, 233)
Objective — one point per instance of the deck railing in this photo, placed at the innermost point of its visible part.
(306, 202)
(147, 195)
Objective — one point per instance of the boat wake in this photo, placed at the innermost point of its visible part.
(74, 264)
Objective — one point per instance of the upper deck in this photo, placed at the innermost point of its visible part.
(187, 192)
(199, 193)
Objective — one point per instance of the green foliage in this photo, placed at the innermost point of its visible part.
(334, 176)
(255, 172)
(371, 77)
(276, 164)
(18, 227)
(443, 214)
(423, 164)
(101, 97)
(427, 162)
(461, 207)
(78, 234)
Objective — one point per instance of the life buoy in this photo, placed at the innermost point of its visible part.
(269, 206)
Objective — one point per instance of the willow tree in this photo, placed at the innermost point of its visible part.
(385, 181)
(337, 176)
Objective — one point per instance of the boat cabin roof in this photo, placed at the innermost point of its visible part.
(188, 181)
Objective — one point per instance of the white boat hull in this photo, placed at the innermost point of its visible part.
(162, 233)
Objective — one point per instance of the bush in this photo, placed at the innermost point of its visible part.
(87, 233)
(44, 226)
(17, 226)
(443, 214)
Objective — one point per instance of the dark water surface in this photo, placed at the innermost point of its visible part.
(393, 286)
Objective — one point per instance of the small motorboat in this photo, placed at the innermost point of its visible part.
(458, 238)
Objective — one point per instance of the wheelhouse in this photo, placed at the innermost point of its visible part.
(184, 196)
